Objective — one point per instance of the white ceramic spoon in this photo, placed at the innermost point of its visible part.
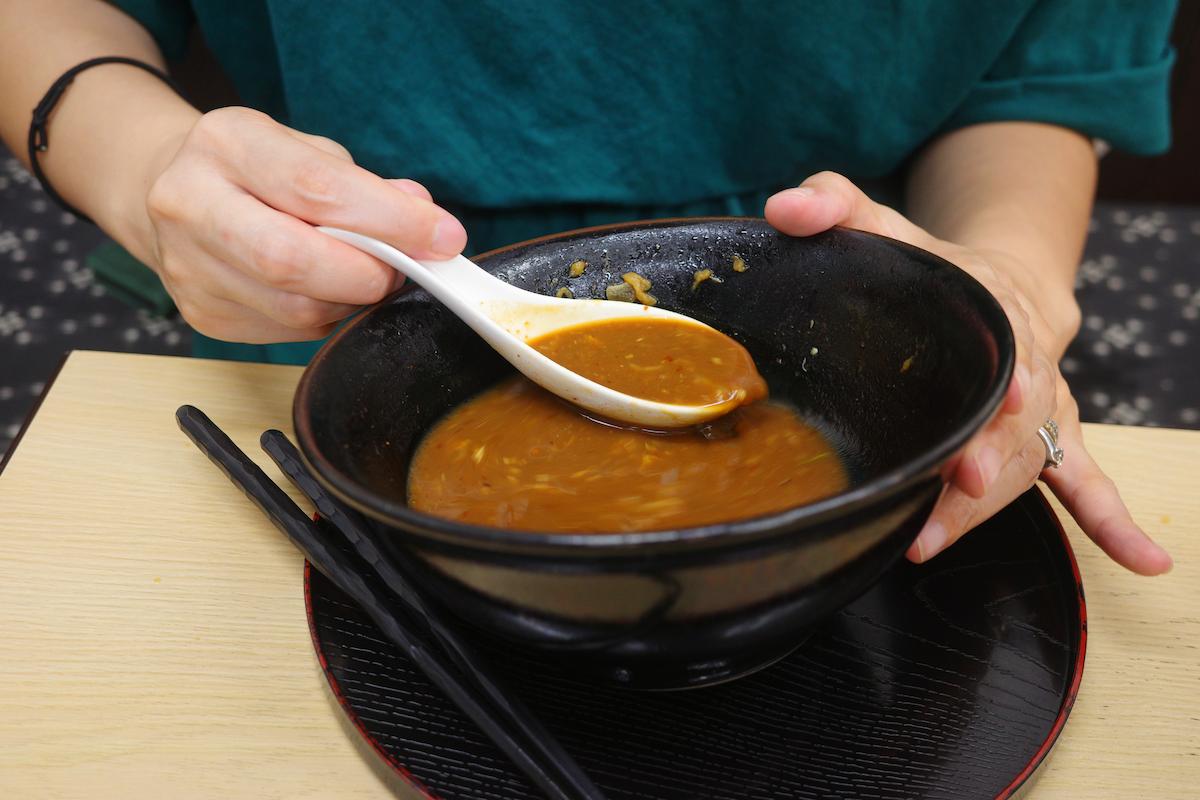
(507, 318)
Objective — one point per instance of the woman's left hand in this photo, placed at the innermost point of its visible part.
(1006, 457)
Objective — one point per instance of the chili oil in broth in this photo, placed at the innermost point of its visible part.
(518, 457)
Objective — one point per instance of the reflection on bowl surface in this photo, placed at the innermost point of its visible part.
(894, 355)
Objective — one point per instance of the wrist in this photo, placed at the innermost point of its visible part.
(123, 215)
(114, 126)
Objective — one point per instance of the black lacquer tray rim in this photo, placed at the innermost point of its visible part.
(1011, 790)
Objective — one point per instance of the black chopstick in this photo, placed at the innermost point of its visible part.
(342, 569)
(353, 527)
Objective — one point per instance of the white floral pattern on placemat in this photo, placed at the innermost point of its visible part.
(1136, 360)
(50, 302)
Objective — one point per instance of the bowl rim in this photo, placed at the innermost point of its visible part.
(879, 489)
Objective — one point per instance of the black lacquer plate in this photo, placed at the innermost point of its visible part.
(948, 680)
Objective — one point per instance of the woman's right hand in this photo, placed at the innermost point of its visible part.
(231, 210)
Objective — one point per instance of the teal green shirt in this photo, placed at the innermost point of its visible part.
(527, 117)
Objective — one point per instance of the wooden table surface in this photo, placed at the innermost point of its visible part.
(153, 641)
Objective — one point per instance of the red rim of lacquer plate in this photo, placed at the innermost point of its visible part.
(397, 767)
(1007, 792)
(1076, 678)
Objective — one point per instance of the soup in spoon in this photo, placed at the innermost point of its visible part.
(658, 359)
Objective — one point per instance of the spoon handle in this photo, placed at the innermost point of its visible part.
(458, 283)
(507, 318)
(456, 278)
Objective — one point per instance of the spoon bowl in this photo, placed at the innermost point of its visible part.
(508, 318)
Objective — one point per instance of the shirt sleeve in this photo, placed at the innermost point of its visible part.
(1101, 67)
(168, 21)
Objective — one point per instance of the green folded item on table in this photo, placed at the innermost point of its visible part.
(129, 280)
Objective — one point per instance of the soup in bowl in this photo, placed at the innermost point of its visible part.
(665, 560)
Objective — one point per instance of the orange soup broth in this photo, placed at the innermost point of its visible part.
(518, 457)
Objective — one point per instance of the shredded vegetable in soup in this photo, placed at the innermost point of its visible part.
(518, 457)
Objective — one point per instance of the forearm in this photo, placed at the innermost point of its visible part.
(113, 122)
(1023, 190)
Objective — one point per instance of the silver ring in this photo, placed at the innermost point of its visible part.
(1048, 433)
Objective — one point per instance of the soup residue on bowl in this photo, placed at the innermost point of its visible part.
(515, 456)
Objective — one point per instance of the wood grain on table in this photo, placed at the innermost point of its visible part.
(154, 641)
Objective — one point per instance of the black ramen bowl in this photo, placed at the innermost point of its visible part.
(897, 355)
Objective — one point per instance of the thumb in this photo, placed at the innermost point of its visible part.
(828, 199)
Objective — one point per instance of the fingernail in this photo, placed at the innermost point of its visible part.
(931, 540)
(802, 191)
(1166, 557)
(409, 186)
(987, 461)
(449, 237)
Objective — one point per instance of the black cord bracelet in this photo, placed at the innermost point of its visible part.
(39, 140)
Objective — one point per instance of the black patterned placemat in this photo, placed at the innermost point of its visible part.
(51, 302)
(946, 680)
(1135, 359)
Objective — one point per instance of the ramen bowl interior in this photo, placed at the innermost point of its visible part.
(897, 356)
